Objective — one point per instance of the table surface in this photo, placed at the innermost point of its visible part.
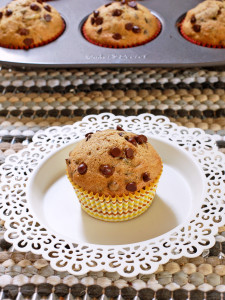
(31, 100)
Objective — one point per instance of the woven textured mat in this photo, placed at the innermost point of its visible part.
(34, 100)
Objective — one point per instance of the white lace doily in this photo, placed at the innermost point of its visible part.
(188, 239)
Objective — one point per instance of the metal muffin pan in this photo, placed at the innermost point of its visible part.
(169, 49)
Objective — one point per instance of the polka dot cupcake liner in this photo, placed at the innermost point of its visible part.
(117, 208)
(122, 47)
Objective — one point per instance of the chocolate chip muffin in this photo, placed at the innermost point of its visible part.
(114, 173)
(27, 24)
(120, 25)
(205, 24)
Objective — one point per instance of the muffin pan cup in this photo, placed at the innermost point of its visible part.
(197, 42)
(71, 49)
(122, 47)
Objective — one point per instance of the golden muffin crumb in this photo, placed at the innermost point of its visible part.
(121, 24)
(205, 23)
(26, 24)
(113, 162)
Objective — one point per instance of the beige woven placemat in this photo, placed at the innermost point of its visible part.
(34, 100)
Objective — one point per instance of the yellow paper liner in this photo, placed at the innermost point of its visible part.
(117, 208)
(38, 44)
(198, 43)
(122, 47)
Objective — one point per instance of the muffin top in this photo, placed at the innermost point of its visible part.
(113, 162)
(121, 24)
(206, 23)
(28, 23)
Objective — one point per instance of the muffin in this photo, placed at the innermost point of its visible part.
(27, 24)
(121, 25)
(204, 25)
(114, 173)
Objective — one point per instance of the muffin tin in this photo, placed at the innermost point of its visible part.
(169, 49)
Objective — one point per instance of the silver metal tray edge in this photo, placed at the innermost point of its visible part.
(169, 49)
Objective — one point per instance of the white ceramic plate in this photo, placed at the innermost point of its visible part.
(54, 203)
(43, 214)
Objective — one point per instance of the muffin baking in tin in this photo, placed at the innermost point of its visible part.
(118, 24)
(26, 24)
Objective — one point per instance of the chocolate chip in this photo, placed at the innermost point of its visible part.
(47, 18)
(145, 177)
(129, 26)
(115, 152)
(117, 36)
(23, 31)
(40, 1)
(141, 139)
(28, 42)
(219, 12)
(99, 21)
(117, 13)
(132, 140)
(129, 153)
(120, 134)
(106, 5)
(67, 161)
(88, 135)
(1, 14)
(82, 168)
(99, 31)
(35, 7)
(96, 13)
(92, 21)
(48, 8)
(118, 127)
(113, 186)
(136, 29)
(131, 187)
(196, 28)
(193, 19)
(132, 4)
(106, 170)
(8, 12)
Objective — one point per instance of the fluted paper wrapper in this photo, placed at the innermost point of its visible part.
(45, 42)
(117, 208)
(193, 41)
